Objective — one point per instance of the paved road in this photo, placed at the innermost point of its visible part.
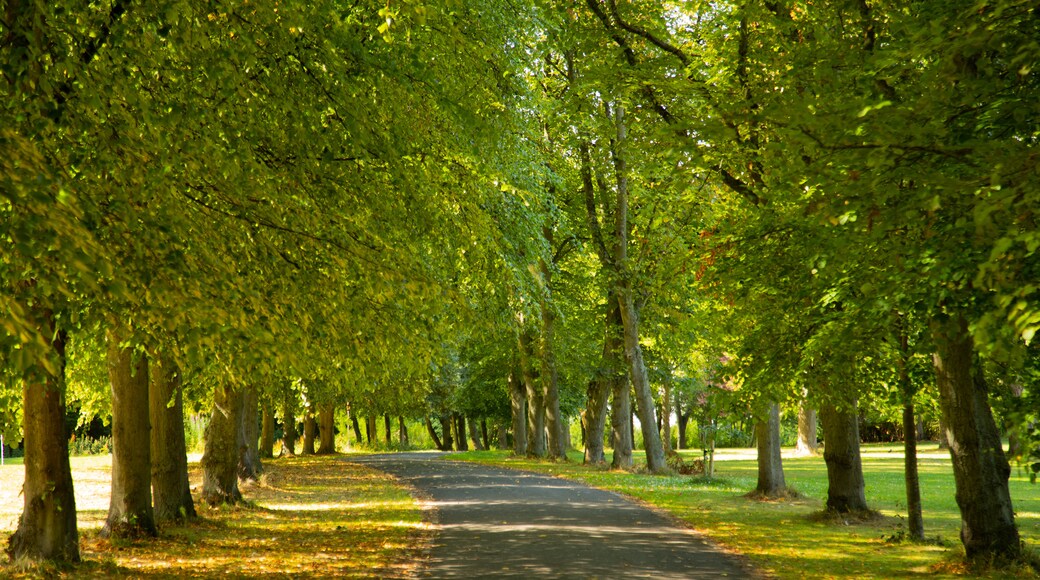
(495, 522)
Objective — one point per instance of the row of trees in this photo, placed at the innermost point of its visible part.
(453, 209)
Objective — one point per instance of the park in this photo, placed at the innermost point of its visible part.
(487, 288)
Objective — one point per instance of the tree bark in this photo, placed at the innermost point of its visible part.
(371, 432)
(624, 293)
(845, 486)
(433, 434)
(446, 429)
(386, 429)
(267, 432)
(402, 433)
(980, 468)
(535, 400)
(556, 449)
(621, 423)
(474, 435)
(327, 429)
(220, 458)
(518, 408)
(310, 430)
(249, 466)
(460, 432)
(655, 461)
(484, 433)
(171, 491)
(357, 428)
(914, 516)
(770, 464)
(130, 505)
(807, 443)
(47, 527)
(289, 427)
(666, 415)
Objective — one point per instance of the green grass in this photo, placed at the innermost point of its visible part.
(12, 461)
(784, 539)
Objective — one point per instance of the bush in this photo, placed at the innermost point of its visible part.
(90, 446)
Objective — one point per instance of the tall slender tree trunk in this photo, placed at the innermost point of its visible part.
(220, 458)
(979, 467)
(386, 429)
(556, 448)
(433, 434)
(845, 486)
(621, 423)
(460, 432)
(624, 294)
(666, 415)
(47, 527)
(249, 466)
(357, 428)
(518, 409)
(501, 436)
(607, 376)
(914, 515)
(807, 443)
(266, 431)
(484, 433)
(446, 432)
(171, 491)
(310, 430)
(474, 435)
(371, 432)
(289, 427)
(535, 401)
(402, 433)
(327, 429)
(770, 465)
(130, 506)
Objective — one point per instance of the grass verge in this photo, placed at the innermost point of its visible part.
(307, 517)
(787, 538)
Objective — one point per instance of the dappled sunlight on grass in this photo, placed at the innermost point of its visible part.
(782, 537)
(308, 517)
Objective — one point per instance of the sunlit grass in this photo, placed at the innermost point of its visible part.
(783, 539)
(309, 517)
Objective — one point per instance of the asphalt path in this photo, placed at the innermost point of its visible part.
(493, 522)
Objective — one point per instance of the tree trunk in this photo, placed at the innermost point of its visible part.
(327, 429)
(914, 517)
(386, 429)
(666, 416)
(433, 434)
(807, 443)
(220, 458)
(845, 487)
(502, 436)
(518, 408)
(626, 300)
(474, 435)
(683, 422)
(979, 467)
(371, 432)
(641, 382)
(249, 466)
(171, 492)
(549, 376)
(402, 433)
(267, 432)
(130, 506)
(460, 432)
(535, 401)
(484, 433)
(310, 430)
(357, 428)
(621, 423)
(446, 428)
(770, 465)
(944, 434)
(289, 427)
(47, 527)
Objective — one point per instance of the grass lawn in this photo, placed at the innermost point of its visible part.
(309, 517)
(784, 539)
